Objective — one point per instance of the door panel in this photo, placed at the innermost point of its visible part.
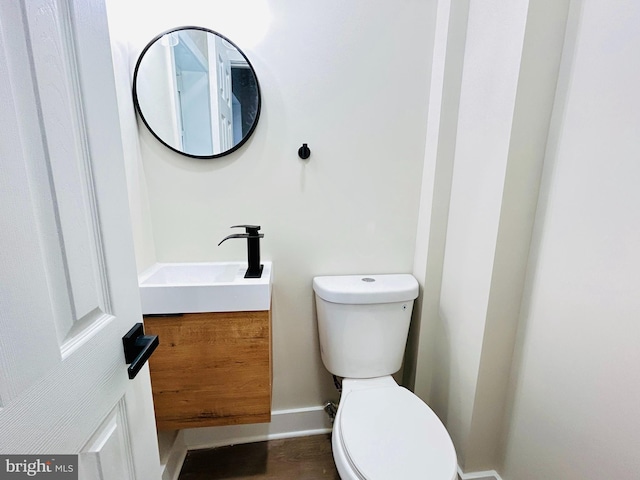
(220, 85)
(107, 456)
(56, 56)
(27, 215)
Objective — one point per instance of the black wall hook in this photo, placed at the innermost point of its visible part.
(304, 152)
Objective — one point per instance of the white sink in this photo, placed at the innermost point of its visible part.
(203, 287)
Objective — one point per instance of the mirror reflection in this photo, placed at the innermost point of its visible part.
(196, 92)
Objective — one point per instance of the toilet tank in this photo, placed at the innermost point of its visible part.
(363, 322)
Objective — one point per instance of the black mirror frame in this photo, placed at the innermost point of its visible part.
(144, 120)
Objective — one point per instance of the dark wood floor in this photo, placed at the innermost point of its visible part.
(302, 458)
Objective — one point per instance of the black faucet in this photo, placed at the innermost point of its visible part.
(253, 248)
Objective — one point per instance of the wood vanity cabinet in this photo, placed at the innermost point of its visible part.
(211, 369)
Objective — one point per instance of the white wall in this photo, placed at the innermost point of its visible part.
(575, 412)
(444, 99)
(498, 70)
(348, 79)
(494, 42)
(136, 181)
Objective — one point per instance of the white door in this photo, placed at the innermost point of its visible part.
(193, 91)
(221, 94)
(68, 288)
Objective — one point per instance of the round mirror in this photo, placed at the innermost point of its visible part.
(196, 92)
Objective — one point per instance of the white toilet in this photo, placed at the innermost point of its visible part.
(382, 431)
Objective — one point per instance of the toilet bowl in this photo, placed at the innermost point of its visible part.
(381, 431)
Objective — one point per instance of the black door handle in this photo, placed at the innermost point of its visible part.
(138, 347)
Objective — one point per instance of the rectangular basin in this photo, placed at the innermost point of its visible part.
(167, 288)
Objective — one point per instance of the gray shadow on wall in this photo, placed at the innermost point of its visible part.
(572, 28)
(441, 377)
(429, 348)
(411, 351)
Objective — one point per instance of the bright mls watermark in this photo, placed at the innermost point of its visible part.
(50, 467)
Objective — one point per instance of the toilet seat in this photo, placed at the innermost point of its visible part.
(388, 432)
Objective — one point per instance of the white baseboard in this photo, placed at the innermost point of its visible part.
(486, 475)
(172, 463)
(299, 422)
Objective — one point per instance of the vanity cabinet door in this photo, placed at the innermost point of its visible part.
(211, 369)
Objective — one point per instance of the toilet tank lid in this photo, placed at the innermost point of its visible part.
(366, 289)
